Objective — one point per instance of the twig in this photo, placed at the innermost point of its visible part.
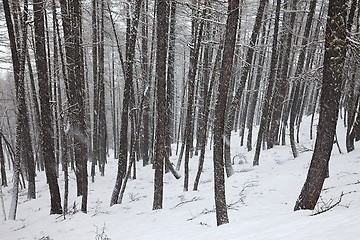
(204, 224)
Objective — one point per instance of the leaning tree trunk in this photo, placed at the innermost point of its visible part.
(334, 58)
(220, 108)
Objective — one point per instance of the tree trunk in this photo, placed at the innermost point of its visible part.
(2, 165)
(334, 58)
(75, 89)
(47, 144)
(220, 108)
(95, 46)
(144, 131)
(170, 85)
(160, 143)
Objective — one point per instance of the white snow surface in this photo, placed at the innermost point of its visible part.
(260, 199)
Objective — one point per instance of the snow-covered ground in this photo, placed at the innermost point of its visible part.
(260, 199)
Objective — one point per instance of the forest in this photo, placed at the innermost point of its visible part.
(90, 84)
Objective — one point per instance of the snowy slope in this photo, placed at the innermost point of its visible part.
(261, 203)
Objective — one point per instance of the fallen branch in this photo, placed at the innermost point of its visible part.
(203, 212)
(194, 199)
(328, 206)
(348, 184)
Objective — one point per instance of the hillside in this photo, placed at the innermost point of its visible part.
(260, 199)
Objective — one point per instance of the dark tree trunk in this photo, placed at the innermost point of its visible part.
(99, 137)
(334, 58)
(47, 144)
(144, 131)
(75, 89)
(95, 46)
(170, 85)
(63, 137)
(101, 87)
(160, 143)
(2, 165)
(220, 107)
